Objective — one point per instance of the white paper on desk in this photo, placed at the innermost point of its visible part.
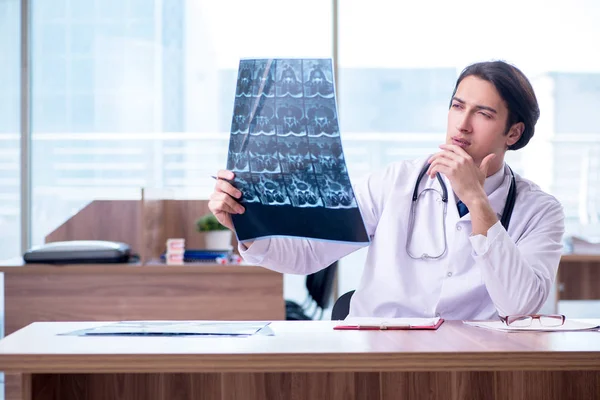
(390, 322)
(175, 328)
(569, 325)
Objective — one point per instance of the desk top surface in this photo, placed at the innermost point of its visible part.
(299, 346)
(583, 258)
(17, 266)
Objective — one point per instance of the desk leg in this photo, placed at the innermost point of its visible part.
(13, 386)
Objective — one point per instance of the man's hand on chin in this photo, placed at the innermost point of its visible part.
(467, 180)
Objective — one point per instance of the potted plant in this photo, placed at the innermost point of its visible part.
(216, 236)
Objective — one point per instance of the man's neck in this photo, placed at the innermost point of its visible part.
(495, 166)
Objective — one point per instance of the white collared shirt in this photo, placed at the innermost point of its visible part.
(478, 277)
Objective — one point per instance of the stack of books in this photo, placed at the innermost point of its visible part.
(207, 256)
(175, 251)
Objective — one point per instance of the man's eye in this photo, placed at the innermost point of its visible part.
(456, 105)
(488, 116)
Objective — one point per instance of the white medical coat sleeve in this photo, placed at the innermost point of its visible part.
(519, 275)
(481, 243)
(306, 256)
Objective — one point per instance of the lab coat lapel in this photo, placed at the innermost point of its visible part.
(498, 197)
(452, 200)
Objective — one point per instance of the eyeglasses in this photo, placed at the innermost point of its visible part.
(521, 321)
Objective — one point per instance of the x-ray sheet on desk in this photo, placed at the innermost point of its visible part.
(174, 328)
(286, 153)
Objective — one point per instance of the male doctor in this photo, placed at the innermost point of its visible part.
(458, 260)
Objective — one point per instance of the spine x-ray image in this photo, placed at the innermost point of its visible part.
(263, 154)
(294, 155)
(263, 118)
(264, 79)
(286, 153)
(237, 157)
(244, 184)
(290, 118)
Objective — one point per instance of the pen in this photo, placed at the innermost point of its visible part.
(217, 178)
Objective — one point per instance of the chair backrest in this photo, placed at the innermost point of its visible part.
(320, 285)
(341, 308)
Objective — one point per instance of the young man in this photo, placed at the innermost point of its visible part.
(495, 253)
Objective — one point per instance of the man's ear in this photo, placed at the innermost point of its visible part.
(514, 133)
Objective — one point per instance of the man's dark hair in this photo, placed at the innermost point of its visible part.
(516, 91)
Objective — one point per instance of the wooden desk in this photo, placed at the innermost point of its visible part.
(107, 292)
(306, 360)
(133, 292)
(579, 277)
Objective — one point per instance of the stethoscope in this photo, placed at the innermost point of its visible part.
(505, 220)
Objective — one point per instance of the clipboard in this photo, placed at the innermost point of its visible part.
(395, 324)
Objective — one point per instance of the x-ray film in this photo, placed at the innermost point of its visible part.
(286, 153)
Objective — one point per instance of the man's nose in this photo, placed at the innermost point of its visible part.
(464, 123)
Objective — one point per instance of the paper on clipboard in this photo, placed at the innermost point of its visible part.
(367, 323)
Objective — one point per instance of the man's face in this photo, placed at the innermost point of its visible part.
(477, 121)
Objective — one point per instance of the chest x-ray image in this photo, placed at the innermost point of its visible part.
(286, 153)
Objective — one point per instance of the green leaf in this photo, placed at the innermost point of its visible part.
(208, 223)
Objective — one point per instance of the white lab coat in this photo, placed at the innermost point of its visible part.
(479, 277)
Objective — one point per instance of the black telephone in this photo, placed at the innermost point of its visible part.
(79, 252)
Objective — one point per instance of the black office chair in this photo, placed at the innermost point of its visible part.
(341, 308)
(320, 290)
